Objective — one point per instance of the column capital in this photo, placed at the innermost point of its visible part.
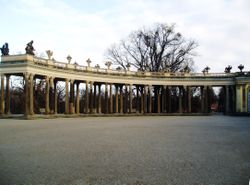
(66, 96)
(51, 81)
(31, 75)
(47, 78)
(26, 74)
(91, 83)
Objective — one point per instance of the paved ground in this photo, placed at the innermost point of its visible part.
(126, 150)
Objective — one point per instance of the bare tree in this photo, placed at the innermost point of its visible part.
(17, 94)
(155, 49)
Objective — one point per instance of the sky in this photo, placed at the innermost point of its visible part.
(85, 29)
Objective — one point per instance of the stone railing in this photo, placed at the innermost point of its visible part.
(79, 68)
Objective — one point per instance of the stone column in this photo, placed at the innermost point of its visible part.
(202, 99)
(205, 95)
(51, 91)
(72, 97)
(2, 95)
(125, 102)
(106, 99)
(185, 94)
(180, 99)
(149, 99)
(241, 98)
(7, 94)
(121, 99)
(244, 99)
(169, 100)
(158, 101)
(26, 91)
(227, 103)
(94, 99)
(247, 99)
(87, 98)
(137, 99)
(145, 103)
(189, 99)
(66, 96)
(116, 99)
(209, 98)
(99, 99)
(142, 102)
(130, 98)
(238, 98)
(77, 98)
(47, 108)
(31, 94)
(163, 98)
(233, 106)
(110, 99)
(55, 97)
(91, 97)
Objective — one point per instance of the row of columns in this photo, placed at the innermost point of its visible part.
(116, 100)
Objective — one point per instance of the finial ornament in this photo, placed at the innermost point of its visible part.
(241, 67)
(108, 64)
(128, 66)
(97, 66)
(88, 62)
(69, 58)
(49, 54)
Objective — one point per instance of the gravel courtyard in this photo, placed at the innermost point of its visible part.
(195, 150)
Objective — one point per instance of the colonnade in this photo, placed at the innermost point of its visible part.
(113, 98)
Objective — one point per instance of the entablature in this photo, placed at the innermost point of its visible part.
(14, 64)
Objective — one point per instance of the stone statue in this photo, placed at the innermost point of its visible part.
(29, 48)
(5, 49)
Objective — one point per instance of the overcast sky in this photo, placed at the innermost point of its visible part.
(85, 29)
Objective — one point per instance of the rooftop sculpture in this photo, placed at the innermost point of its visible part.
(29, 48)
(5, 49)
(228, 69)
